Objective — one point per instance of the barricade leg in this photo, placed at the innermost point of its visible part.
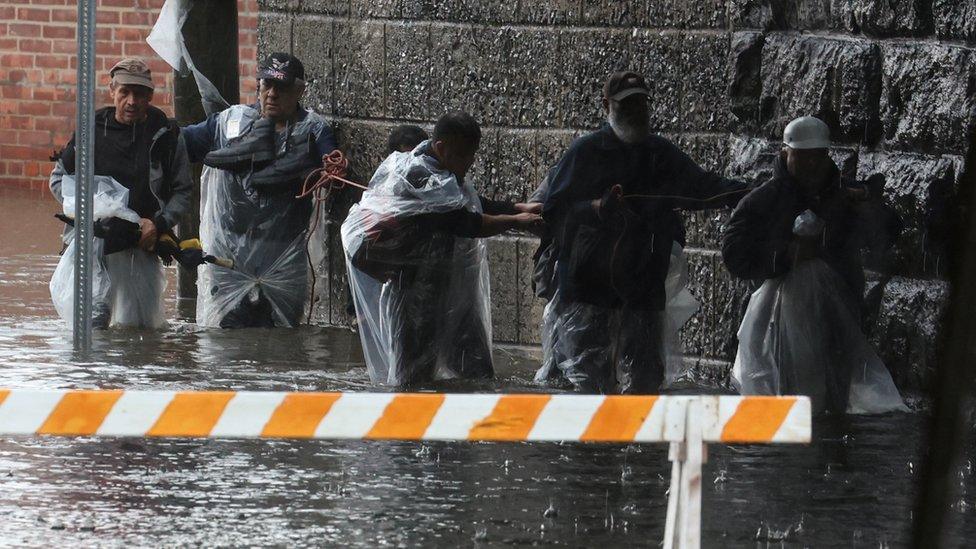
(682, 528)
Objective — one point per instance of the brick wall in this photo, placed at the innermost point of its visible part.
(38, 73)
(894, 80)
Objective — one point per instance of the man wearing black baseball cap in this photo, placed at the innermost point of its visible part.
(611, 207)
(255, 160)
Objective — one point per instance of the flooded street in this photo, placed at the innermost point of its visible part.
(853, 487)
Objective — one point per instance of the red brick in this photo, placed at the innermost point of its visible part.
(103, 17)
(52, 61)
(64, 110)
(8, 44)
(52, 124)
(33, 14)
(12, 60)
(64, 46)
(35, 108)
(34, 138)
(64, 15)
(34, 45)
(131, 4)
(59, 32)
(138, 18)
(33, 169)
(25, 30)
(16, 121)
(129, 34)
(8, 136)
(17, 152)
(138, 49)
(13, 91)
(7, 13)
(44, 94)
(103, 34)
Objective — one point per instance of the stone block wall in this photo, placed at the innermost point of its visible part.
(894, 79)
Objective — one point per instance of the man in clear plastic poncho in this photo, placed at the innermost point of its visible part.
(256, 158)
(142, 190)
(801, 233)
(418, 273)
(611, 209)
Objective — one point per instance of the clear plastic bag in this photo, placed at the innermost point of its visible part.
(421, 299)
(264, 234)
(128, 285)
(801, 335)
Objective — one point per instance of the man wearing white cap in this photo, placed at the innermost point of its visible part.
(801, 234)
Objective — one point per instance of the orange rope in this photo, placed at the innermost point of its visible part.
(320, 184)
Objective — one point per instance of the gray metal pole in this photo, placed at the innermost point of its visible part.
(84, 175)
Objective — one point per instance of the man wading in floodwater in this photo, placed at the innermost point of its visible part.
(611, 210)
(418, 272)
(142, 150)
(256, 158)
(801, 233)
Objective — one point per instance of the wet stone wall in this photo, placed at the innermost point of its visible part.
(895, 80)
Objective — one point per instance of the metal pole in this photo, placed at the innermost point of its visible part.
(84, 175)
(210, 36)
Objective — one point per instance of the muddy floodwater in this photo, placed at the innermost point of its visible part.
(853, 487)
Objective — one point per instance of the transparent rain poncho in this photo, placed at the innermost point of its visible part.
(801, 335)
(127, 285)
(680, 307)
(263, 233)
(422, 299)
(561, 319)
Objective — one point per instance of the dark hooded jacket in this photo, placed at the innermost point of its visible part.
(148, 158)
(622, 261)
(757, 240)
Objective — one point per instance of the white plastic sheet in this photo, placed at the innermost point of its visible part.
(166, 39)
(801, 335)
(128, 285)
(421, 299)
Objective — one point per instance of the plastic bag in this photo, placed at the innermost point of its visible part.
(421, 299)
(800, 335)
(264, 233)
(127, 286)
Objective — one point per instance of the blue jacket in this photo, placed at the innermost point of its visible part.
(622, 261)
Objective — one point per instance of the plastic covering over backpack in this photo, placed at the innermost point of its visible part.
(801, 335)
(127, 286)
(422, 299)
(263, 232)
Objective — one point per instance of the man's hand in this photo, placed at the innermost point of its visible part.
(147, 240)
(612, 201)
(529, 207)
(529, 221)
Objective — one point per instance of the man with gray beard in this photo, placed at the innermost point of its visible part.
(611, 208)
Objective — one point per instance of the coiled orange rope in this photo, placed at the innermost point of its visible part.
(320, 184)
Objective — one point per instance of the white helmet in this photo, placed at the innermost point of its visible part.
(807, 132)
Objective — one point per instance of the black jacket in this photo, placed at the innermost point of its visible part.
(623, 260)
(757, 240)
(169, 183)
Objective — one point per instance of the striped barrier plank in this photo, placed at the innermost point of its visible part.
(402, 416)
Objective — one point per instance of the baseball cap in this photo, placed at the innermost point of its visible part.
(623, 84)
(283, 67)
(133, 72)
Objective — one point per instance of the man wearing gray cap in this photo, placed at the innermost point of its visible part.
(143, 150)
(801, 234)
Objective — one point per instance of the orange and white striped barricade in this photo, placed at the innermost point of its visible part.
(688, 423)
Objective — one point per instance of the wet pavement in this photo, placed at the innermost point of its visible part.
(853, 487)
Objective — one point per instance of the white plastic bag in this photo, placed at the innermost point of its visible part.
(127, 285)
(800, 335)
